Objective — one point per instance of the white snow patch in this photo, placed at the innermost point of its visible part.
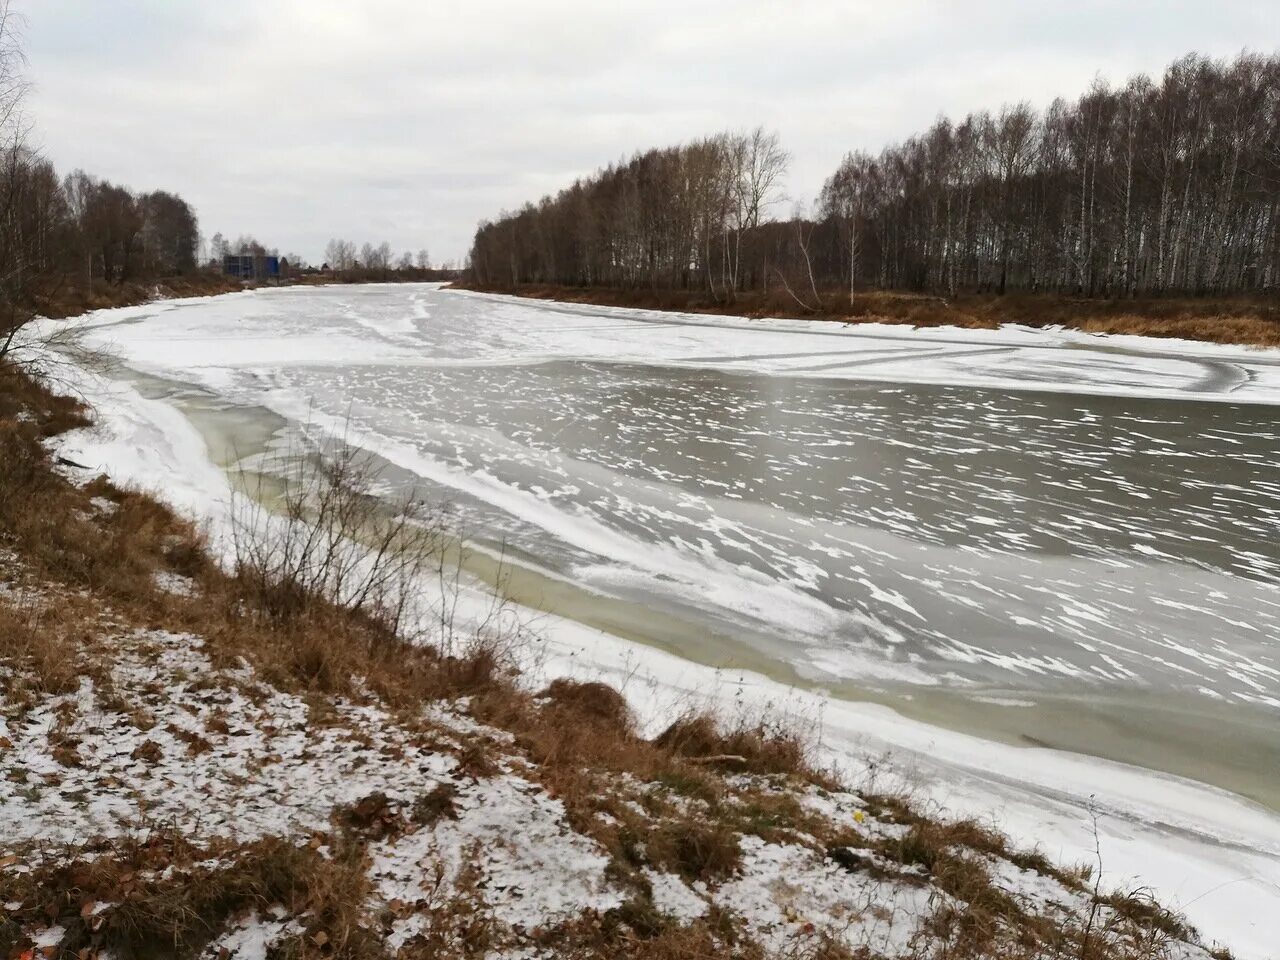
(673, 897)
(270, 773)
(530, 867)
(787, 892)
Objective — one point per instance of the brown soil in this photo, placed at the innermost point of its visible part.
(1245, 320)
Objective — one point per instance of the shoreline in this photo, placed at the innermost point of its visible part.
(153, 686)
(1239, 321)
(1015, 717)
(1257, 381)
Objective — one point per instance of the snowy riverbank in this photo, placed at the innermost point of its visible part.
(1200, 849)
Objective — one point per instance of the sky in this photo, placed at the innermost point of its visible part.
(411, 120)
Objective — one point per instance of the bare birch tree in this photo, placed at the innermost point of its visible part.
(1165, 185)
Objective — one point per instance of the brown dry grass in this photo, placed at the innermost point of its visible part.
(637, 931)
(55, 526)
(45, 653)
(757, 748)
(982, 921)
(164, 896)
(71, 300)
(1246, 320)
(972, 923)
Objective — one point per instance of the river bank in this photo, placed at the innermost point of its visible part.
(963, 773)
(1224, 746)
(328, 791)
(1251, 321)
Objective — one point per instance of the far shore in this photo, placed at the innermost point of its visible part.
(1248, 321)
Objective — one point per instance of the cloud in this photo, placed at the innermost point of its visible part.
(409, 121)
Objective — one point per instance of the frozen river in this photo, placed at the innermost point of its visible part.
(1043, 538)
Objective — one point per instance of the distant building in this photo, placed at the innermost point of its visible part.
(251, 266)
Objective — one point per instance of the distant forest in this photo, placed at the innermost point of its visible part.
(1153, 188)
(73, 243)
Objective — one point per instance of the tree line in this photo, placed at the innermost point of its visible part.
(81, 232)
(76, 241)
(344, 258)
(1150, 188)
(72, 233)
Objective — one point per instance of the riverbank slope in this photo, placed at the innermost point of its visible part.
(192, 764)
(1253, 321)
(1198, 848)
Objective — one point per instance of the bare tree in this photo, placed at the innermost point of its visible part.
(340, 255)
(22, 228)
(844, 201)
(218, 248)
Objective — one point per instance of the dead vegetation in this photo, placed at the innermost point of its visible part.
(758, 748)
(1245, 320)
(683, 804)
(163, 896)
(71, 300)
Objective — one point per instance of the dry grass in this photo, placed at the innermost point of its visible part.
(597, 703)
(930, 836)
(44, 654)
(636, 931)
(71, 300)
(971, 925)
(56, 527)
(980, 920)
(1141, 908)
(755, 748)
(1247, 320)
(162, 896)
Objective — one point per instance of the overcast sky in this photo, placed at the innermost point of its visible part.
(409, 120)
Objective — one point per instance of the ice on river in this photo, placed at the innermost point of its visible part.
(1014, 515)
(871, 503)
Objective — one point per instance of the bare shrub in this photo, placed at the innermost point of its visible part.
(695, 849)
(595, 703)
(759, 747)
(338, 588)
(329, 537)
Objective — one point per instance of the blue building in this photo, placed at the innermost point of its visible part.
(251, 266)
